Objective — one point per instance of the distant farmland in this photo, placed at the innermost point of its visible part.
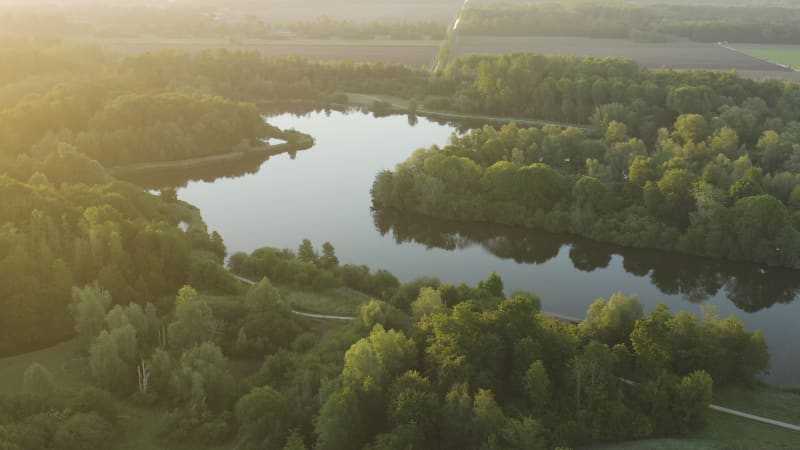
(413, 53)
(673, 55)
(286, 11)
(782, 54)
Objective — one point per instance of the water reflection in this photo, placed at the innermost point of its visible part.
(750, 287)
(176, 178)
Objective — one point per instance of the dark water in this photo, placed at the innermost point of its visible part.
(323, 194)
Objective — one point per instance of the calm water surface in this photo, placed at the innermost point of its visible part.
(323, 194)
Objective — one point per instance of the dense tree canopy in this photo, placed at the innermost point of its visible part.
(690, 191)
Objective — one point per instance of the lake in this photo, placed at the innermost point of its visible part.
(324, 194)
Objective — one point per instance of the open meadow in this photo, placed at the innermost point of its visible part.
(672, 55)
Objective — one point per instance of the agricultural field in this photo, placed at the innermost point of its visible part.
(413, 53)
(788, 55)
(673, 55)
(286, 11)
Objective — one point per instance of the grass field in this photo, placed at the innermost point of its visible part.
(63, 360)
(723, 432)
(765, 401)
(338, 302)
(788, 55)
(672, 55)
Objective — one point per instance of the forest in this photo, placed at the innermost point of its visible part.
(696, 162)
(134, 280)
(427, 365)
(752, 23)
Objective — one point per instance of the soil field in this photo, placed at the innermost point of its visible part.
(413, 53)
(286, 11)
(674, 55)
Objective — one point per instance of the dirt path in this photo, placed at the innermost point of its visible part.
(745, 415)
(299, 313)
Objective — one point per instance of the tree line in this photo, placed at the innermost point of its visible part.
(585, 90)
(644, 23)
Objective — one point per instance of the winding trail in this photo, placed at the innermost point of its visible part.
(745, 415)
(309, 315)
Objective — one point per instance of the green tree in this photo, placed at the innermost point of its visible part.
(262, 297)
(39, 380)
(525, 433)
(88, 307)
(611, 322)
(306, 252)
(202, 380)
(263, 418)
(428, 302)
(537, 386)
(328, 260)
(194, 321)
(494, 285)
(83, 431)
(108, 367)
(294, 442)
(691, 128)
(376, 312)
(651, 338)
(488, 416)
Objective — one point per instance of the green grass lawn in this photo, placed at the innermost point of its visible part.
(767, 401)
(64, 361)
(334, 302)
(788, 57)
(724, 431)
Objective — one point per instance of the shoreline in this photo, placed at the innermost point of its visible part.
(302, 142)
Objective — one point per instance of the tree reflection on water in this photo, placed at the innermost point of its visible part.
(696, 279)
